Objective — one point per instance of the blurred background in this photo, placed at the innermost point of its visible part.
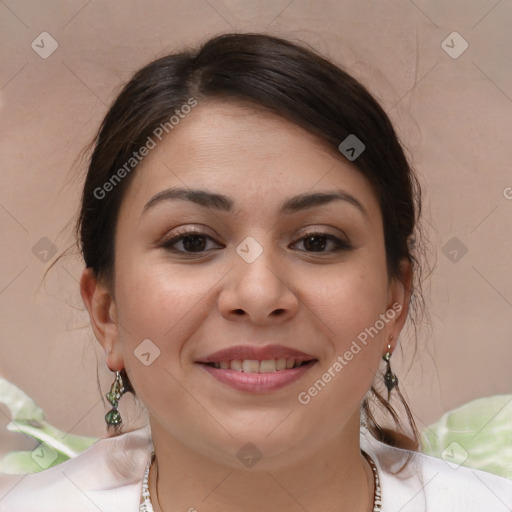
(441, 70)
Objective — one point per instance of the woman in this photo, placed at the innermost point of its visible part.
(247, 224)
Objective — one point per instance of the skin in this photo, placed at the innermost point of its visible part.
(190, 305)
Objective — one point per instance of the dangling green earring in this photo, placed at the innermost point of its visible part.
(113, 418)
(390, 379)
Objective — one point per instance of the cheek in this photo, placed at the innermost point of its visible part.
(351, 306)
(166, 307)
(158, 302)
(350, 299)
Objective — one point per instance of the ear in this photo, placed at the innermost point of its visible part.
(400, 290)
(100, 304)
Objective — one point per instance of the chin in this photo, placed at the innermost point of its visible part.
(260, 449)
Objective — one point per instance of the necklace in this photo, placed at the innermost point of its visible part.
(377, 496)
(145, 496)
(147, 506)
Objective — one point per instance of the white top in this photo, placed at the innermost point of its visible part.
(107, 477)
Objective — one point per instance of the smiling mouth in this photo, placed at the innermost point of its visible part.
(259, 376)
(260, 366)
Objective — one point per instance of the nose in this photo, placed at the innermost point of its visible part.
(258, 292)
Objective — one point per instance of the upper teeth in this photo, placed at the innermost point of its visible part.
(255, 366)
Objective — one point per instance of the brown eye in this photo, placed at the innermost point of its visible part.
(318, 242)
(189, 242)
(315, 243)
(194, 243)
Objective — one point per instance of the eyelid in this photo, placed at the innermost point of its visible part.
(322, 230)
(186, 230)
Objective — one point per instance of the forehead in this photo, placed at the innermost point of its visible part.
(245, 152)
(222, 132)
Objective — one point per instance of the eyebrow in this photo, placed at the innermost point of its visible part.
(223, 203)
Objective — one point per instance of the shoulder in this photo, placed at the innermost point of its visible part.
(433, 485)
(107, 476)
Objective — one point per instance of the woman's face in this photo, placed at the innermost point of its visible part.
(267, 262)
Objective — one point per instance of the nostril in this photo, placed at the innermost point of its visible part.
(278, 312)
(239, 311)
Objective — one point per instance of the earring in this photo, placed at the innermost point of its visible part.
(390, 379)
(113, 418)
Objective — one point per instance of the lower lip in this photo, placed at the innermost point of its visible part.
(258, 382)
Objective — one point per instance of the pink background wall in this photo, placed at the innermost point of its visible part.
(453, 114)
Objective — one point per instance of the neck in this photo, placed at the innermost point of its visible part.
(183, 479)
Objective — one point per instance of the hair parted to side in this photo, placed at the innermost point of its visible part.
(288, 80)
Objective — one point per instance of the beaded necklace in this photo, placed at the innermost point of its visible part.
(147, 506)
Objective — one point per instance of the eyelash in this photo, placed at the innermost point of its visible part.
(169, 243)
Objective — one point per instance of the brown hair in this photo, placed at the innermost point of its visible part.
(292, 82)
